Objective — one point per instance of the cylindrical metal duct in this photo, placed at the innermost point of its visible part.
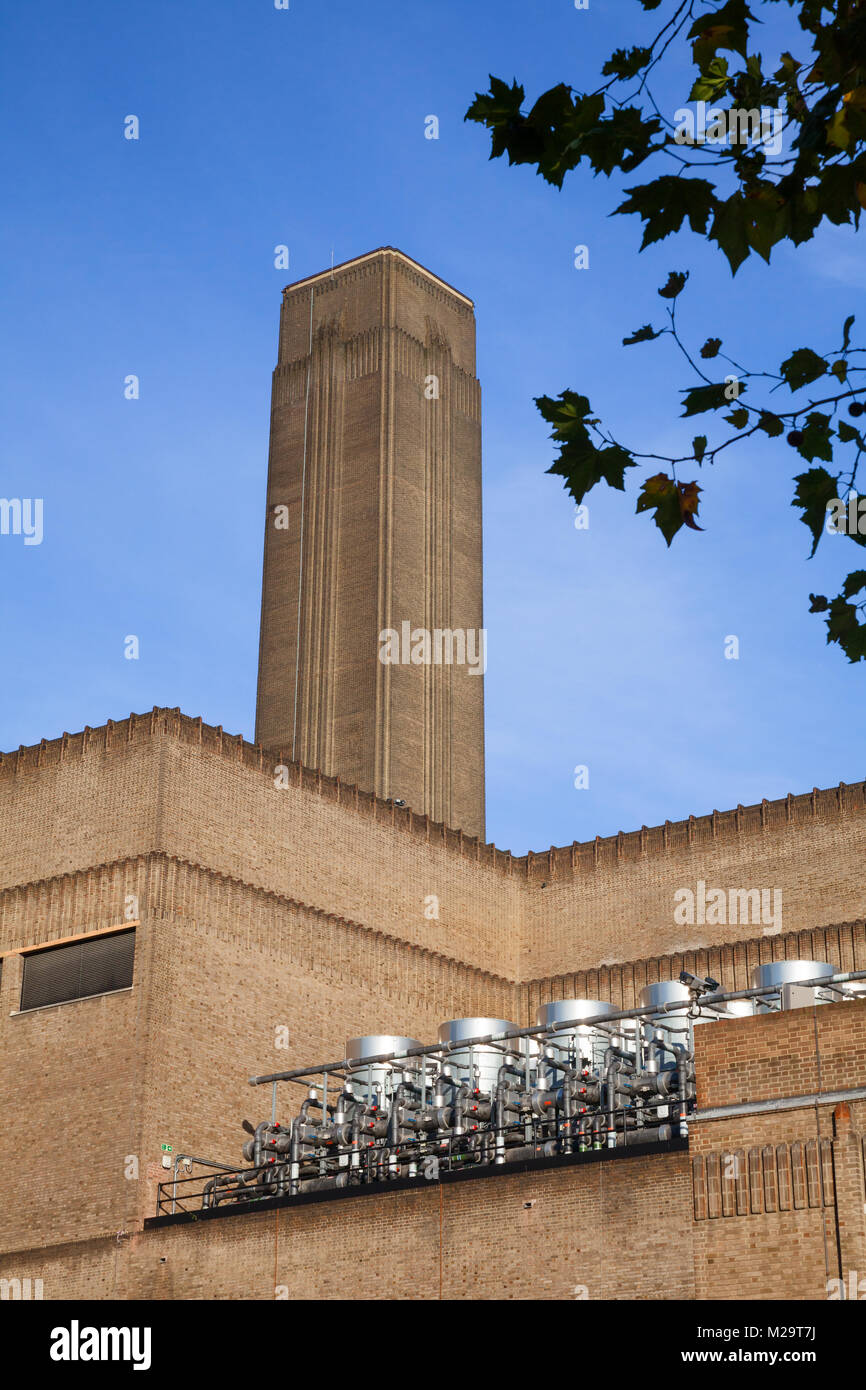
(779, 973)
(789, 972)
(380, 1076)
(661, 996)
(485, 1058)
(580, 1042)
(666, 992)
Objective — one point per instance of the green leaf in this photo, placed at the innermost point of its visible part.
(659, 494)
(738, 418)
(710, 85)
(712, 397)
(567, 413)
(666, 202)
(626, 62)
(675, 284)
(675, 504)
(817, 434)
(699, 444)
(550, 135)
(642, 335)
(853, 513)
(848, 434)
(838, 133)
(767, 219)
(759, 218)
(622, 140)
(854, 583)
(730, 229)
(711, 347)
(797, 216)
(726, 27)
(499, 110)
(560, 121)
(789, 67)
(689, 504)
(583, 468)
(840, 370)
(563, 128)
(816, 489)
(801, 367)
(581, 462)
(770, 423)
(843, 624)
(846, 332)
(837, 190)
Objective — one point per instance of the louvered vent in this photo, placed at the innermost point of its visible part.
(83, 968)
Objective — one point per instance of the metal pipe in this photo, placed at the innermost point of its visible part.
(760, 1107)
(205, 1163)
(550, 1030)
(646, 1076)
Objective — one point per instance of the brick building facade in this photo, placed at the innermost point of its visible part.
(302, 907)
(279, 909)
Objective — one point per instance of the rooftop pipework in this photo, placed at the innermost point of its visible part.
(586, 1076)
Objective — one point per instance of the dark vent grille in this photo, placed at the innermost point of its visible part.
(61, 973)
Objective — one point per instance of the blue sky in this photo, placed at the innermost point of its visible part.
(306, 127)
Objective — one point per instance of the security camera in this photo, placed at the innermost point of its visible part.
(698, 984)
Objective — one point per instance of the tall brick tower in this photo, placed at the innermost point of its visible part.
(374, 526)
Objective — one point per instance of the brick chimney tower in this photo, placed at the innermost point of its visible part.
(372, 651)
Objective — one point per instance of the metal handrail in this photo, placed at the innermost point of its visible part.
(452, 1152)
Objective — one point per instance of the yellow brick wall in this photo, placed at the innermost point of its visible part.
(305, 908)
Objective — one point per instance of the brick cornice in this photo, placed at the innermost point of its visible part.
(369, 262)
(553, 865)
